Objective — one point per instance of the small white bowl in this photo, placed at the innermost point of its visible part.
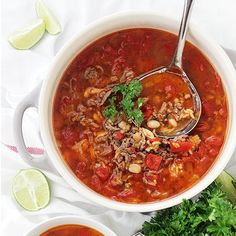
(106, 25)
(66, 220)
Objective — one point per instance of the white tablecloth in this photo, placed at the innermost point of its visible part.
(22, 70)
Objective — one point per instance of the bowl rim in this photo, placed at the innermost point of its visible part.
(211, 51)
(66, 220)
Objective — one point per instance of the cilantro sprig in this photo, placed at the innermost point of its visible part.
(111, 111)
(130, 104)
(212, 215)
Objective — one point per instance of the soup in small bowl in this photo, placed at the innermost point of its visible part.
(70, 226)
(71, 230)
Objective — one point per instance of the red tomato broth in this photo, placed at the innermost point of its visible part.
(108, 57)
(71, 230)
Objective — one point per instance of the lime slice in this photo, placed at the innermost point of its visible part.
(31, 189)
(228, 185)
(28, 36)
(51, 23)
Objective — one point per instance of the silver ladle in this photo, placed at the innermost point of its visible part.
(176, 68)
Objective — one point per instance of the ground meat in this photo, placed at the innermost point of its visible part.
(93, 73)
(165, 153)
(104, 96)
(75, 116)
(97, 97)
(108, 125)
(127, 75)
(88, 122)
(102, 149)
(136, 143)
(101, 137)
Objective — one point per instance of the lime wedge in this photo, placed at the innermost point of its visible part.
(51, 23)
(31, 189)
(28, 36)
(228, 185)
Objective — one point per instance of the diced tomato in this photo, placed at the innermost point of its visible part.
(127, 193)
(69, 135)
(147, 111)
(96, 182)
(118, 135)
(103, 172)
(153, 161)
(214, 141)
(80, 170)
(179, 146)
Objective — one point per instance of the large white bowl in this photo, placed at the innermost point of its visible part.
(69, 220)
(101, 27)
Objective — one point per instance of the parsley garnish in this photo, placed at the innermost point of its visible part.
(130, 105)
(213, 214)
(110, 111)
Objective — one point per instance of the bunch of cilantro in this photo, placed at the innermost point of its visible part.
(212, 215)
(130, 104)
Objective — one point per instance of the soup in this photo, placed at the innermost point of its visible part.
(71, 230)
(106, 122)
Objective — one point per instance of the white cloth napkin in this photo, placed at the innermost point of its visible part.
(22, 71)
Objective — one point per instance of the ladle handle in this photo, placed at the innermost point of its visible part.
(177, 58)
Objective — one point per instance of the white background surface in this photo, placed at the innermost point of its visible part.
(22, 70)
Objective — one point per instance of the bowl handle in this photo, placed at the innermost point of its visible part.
(31, 100)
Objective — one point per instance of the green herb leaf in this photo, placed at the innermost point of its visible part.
(212, 214)
(110, 111)
(140, 102)
(137, 116)
(120, 88)
(129, 104)
(134, 88)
